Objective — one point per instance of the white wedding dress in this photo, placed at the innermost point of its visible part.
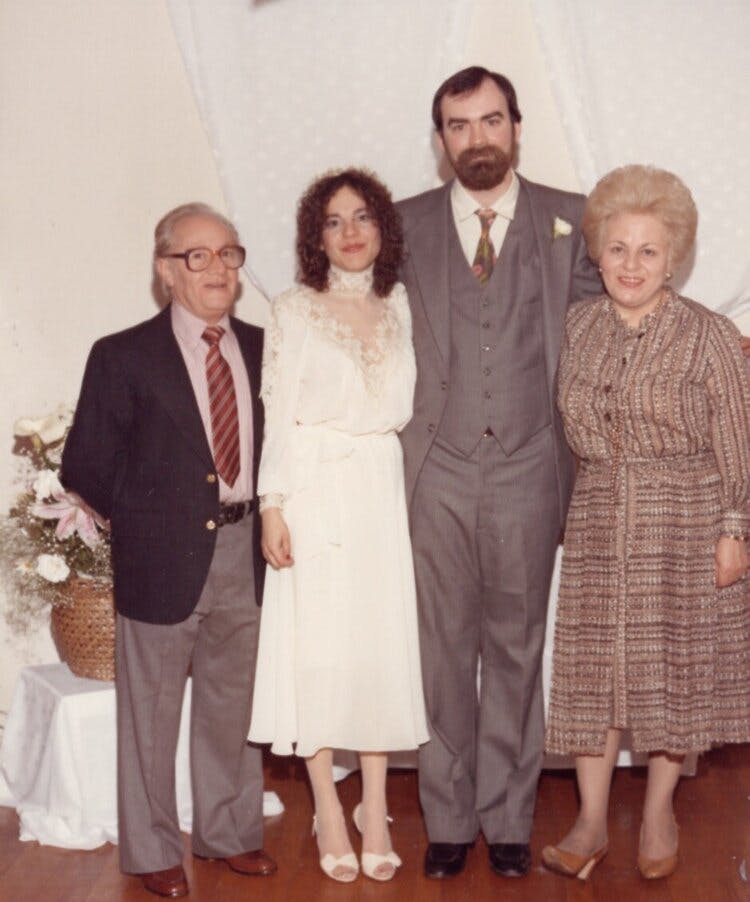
(338, 657)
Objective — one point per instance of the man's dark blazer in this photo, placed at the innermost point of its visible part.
(138, 454)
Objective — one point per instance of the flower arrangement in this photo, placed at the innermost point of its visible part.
(50, 537)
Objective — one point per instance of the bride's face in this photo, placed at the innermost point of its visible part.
(351, 236)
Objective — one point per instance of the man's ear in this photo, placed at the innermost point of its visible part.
(164, 271)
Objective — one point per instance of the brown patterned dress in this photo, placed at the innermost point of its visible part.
(659, 416)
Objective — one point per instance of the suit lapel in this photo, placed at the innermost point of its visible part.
(251, 346)
(170, 382)
(428, 248)
(555, 262)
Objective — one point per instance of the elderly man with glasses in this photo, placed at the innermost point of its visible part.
(165, 445)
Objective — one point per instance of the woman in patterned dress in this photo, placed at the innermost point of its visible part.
(653, 620)
(338, 658)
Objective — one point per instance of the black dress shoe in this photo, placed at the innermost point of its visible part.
(445, 859)
(510, 859)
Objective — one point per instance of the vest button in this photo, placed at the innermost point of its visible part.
(430, 427)
(211, 478)
(444, 385)
(486, 348)
(486, 371)
(488, 395)
(210, 524)
(485, 324)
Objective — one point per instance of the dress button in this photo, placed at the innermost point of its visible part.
(488, 395)
(624, 360)
(607, 389)
(608, 416)
(430, 427)
(486, 324)
(211, 478)
(486, 348)
(444, 385)
(486, 371)
(210, 524)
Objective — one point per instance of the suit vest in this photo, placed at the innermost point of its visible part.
(497, 376)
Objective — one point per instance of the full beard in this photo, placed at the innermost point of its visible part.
(482, 168)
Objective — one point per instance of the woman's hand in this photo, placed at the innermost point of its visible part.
(275, 542)
(731, 561)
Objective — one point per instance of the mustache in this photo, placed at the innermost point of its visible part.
(482, 156)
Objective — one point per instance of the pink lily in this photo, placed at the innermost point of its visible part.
(73, 517)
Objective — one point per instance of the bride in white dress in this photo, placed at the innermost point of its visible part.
(338, 658)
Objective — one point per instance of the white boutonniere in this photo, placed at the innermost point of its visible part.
(560, 227)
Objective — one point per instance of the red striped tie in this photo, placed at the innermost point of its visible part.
(222, 402)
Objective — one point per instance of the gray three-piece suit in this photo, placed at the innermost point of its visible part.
(488, 478)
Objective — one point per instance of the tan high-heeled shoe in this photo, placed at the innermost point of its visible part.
(329, 863)
(657, 868)
(372, 861)
(571, 865)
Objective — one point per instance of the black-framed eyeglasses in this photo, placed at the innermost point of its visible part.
(199, 258)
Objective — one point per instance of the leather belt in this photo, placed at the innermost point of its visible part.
(233, 513)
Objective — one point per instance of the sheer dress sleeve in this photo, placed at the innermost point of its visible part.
(282, 365)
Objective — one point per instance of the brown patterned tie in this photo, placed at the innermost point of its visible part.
(222, 402)
(484, 259)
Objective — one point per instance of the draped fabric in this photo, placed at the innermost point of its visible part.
(664, 83)
(290, 88)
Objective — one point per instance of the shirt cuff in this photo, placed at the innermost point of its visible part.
(736, 524)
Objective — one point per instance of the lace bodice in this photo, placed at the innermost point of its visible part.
(367, 328)
(340, 361)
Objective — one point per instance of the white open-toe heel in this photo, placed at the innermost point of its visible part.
(329, 863)
(371, 861)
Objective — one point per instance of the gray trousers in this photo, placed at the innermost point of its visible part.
(219, 642)
(484, 532)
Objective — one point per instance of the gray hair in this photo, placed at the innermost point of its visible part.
(165, 227)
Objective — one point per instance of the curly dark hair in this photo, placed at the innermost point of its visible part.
(311, 212)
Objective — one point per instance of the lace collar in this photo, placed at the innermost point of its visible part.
(356, 282)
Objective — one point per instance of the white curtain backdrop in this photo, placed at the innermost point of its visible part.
(664, 82)
(290, 88)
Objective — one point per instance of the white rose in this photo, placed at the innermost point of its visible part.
(561, 227)
(49, 429)
(52, 567)
(46, 485)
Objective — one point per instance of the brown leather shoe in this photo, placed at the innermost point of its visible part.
(171, 883)
(252, 864)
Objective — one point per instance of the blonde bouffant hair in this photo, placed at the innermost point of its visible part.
(642, 189)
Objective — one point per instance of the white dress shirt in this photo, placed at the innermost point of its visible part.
(468, 226)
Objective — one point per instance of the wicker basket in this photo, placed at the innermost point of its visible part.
(84, 630)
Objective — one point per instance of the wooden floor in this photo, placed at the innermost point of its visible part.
(713, 809)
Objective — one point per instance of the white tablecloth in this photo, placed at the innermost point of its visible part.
(58, 760)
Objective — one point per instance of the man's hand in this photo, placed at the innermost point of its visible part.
(731, 561)
(275, 543)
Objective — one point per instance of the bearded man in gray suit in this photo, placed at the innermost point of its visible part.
(492, 263)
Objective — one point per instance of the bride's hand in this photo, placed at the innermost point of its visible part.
(275, 542)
